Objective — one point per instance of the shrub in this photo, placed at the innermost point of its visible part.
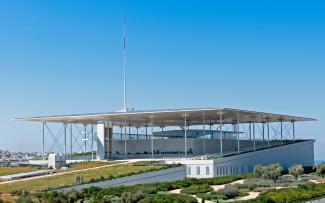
(24, 200)
(296, 170)
(195, 189)
(229, 192)
(259, 171)
(320, 170)
(272, 171)
(1, 201)
(166, 198)
(211, 196)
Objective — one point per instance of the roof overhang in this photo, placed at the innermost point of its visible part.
(171, 117)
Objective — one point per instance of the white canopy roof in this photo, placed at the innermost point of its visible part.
(171, 117)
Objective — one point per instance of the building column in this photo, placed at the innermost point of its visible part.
(125, 150)
(65, 139)
(71, 142)
(254, 143)
(263, 129)
(92, 141)
(250, 130)
(293, 131)
(43, 142)
(221, 135)
(85, 137)
(281, 132)
(268, 134)
(185, 135)
(151, 124)
(238, 134)
(204, 147)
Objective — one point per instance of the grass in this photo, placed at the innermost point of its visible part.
(90, 164)
(13, 170)
(64, 180)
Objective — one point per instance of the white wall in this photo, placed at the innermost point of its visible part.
(286, 155)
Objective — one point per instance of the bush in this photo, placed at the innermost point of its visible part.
(1, 201)
(320, 170)
(195, 189)
(168, 198)
(259, 171)
(272, 171)
(229, 192)
(296, 170)
(24, 200)
(211, 196)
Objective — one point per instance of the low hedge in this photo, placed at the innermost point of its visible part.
(168, 198)
(195, 189)
(300, 194)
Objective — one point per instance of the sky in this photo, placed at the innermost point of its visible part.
(63, 57)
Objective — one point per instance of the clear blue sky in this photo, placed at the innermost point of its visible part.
(59, 57)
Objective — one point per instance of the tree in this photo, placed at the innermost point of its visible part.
(296, 170)
(320, 170)
(259, 171)
(272, 172)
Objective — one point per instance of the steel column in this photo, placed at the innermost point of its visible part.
(293, 131)
(92, 141)
(85, 138)
(152, 138)
(65, 139)
(268, 134)
(185, 135)
(204, 147)
(254, 144)
(125, 140)
(281, 131)
(71, 143)
(221, 136)
(43, 141)
(237, 131)
(263, 129)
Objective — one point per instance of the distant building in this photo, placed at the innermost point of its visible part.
(237, 139)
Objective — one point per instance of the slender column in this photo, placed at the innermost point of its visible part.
(65, 139)
(71, 143)
(121, 132)
(281, 133)
(185, 136)
(268, 134)
(85, 138)
(221, 136)
(263, 133)
(92, 141)
(204, 147)
(250, 130)
(152, 138)
(254, 144)
(146, 131)
(43, 141)
(293, 132)
(211, 136)
(237, 131)
(125, 140)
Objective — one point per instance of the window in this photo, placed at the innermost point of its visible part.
(188, 170)
(207, 170)
(198, 170)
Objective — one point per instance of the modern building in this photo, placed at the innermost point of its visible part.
(237, 139)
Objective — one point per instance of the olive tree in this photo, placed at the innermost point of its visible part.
(296, 170)
(272, 172)
(320, 170)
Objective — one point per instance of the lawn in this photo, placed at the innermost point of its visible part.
(64, 180)
(90, 164)
(13, 170)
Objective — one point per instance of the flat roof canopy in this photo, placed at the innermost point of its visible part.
(170, 117)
